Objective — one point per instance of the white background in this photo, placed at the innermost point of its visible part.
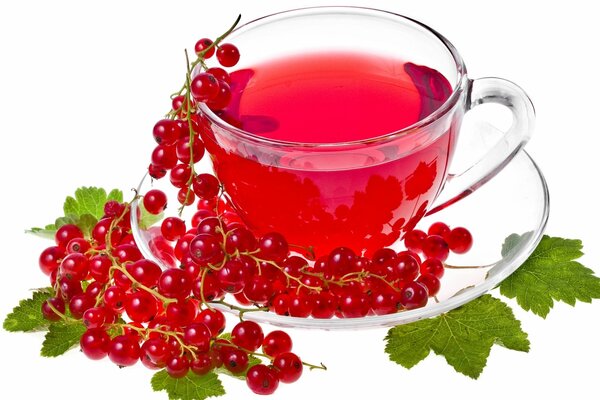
(82, 83)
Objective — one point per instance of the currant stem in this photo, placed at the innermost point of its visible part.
(241, 310)
(164, 299)
(61, 315)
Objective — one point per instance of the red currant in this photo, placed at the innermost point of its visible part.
(460, 240)
(262, 379)
(276, 342)
(202, 45)
(288, 366)
(155, 201)
(124, 350)
(248, 335)
(228, 55)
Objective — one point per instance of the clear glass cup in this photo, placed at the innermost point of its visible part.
(362, 194)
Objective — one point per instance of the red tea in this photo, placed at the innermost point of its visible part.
(363, 197)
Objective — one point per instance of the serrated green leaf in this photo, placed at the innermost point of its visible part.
(83, 210)
(61, 337)
(86, 223)
(464, 336)
(67, 219)
(116, 195)
(27, 316)
(89, 200)
(552, 274)
(146, 219)
(190, 387)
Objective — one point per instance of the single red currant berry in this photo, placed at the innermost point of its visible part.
(433, 266)
(114, 299)
(354, 304)
(413, 240)
(258, 289)
(94, 343)
(179, 104)
(406, 268)
(262, 379)
(220, 74)
(49, 307)
(124, 350)
(180, 175)
(203, 364)
(273, 246)
(95, 317)
(156, 171)
(145, 272)
(325, 304)
(172, 228)
(186, 196)
(202, 45)
(300, 305)
(222, 99)
(341, 260)
(248, 335)
(386, 302)
(155, 201)
(206, 186)
(65, 233)
(277, 342)
(438, 228)
(288, 366)
(204, 87)
(79, 304)
(181, 313)
(141, 306)
(174, 283)
(198, 335)
(213, 319)
(50, 259)
(228, 55)
(413, 295)
(177, 366)
(240, 239)
(78, 245)
(154, 353)
(435, 246)
(235, 360)
(184, 150)
(460, 240)
(166, 131)
(431, 282)
(206, 249)
(164, 157)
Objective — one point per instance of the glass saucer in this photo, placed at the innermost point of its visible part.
(514, 204)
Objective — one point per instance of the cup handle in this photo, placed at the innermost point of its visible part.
(506, 93)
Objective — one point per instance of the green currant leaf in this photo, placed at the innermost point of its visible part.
(190, 387)
(551, 273)
(27, 316)
(83, 210)
(116, 195)
(61, 337)
(89, 200)
(464, 336)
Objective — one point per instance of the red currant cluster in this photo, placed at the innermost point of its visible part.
(133, 310)
(179, 145)
(225, 257)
